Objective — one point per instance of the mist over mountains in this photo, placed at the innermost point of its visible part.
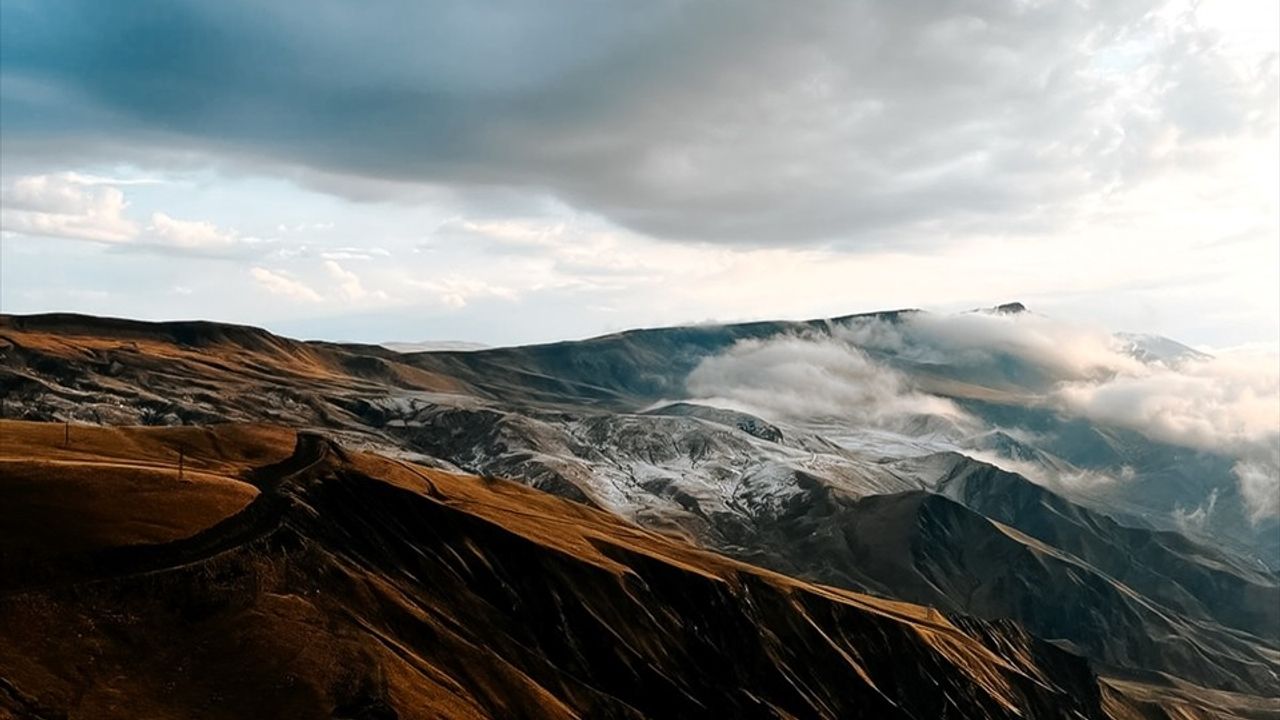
(888, 374)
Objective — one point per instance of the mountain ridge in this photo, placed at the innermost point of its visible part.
(734, 482)
(414, 563)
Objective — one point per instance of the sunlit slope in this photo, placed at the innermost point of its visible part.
(75, 488)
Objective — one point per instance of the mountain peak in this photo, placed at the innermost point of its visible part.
(1011, 308)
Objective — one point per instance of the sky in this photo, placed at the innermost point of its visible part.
(503, 172)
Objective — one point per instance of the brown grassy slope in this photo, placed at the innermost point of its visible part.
(360, 587)
(201, 372)
(81, 488)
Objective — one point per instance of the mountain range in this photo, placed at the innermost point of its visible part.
(874, 514)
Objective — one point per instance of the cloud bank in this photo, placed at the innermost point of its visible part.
(613, 164)
(1054, 350)
(808, 377)
(740, 123)
(1228, 405)
(63, 206)
(79, 207)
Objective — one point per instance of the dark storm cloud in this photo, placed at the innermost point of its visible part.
(753, 123)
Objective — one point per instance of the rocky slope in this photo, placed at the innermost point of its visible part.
(355, 586)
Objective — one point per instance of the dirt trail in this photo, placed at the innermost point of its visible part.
(255, 521)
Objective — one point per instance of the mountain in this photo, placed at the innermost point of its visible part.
(330, 385)
(344, 584)
(1156, 348)
(1175, 619)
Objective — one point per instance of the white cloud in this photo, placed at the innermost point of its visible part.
(354, 253)
(1195, 520)
(81, 206)
(312, 227)
(349, 285)
(1229, 404)
(514, 231)
(189, 234)
(455, 291)
(813, 378)
(62, 205)
(1065, 351)
(1076, 479)
(1222, 404)
(1260, 485)
(95, 179)
(279, 283)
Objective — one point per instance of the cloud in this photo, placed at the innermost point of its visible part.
(456, 291)
(1229, 404)
(1059, 350)
(1072, 479)
(304, 227)
(511, 232)
(349, 286)
(188, 234)
(859, 122)
(64, 205)
(89, 207)
(354, 253)
(811, 378)
(1259, 484)
(279, 283)
(1197, 519)
(94, 179)
(1221, 404)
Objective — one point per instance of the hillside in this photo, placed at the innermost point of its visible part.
(361, 587)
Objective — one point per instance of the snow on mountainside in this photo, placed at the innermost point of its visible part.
(1157, 348)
